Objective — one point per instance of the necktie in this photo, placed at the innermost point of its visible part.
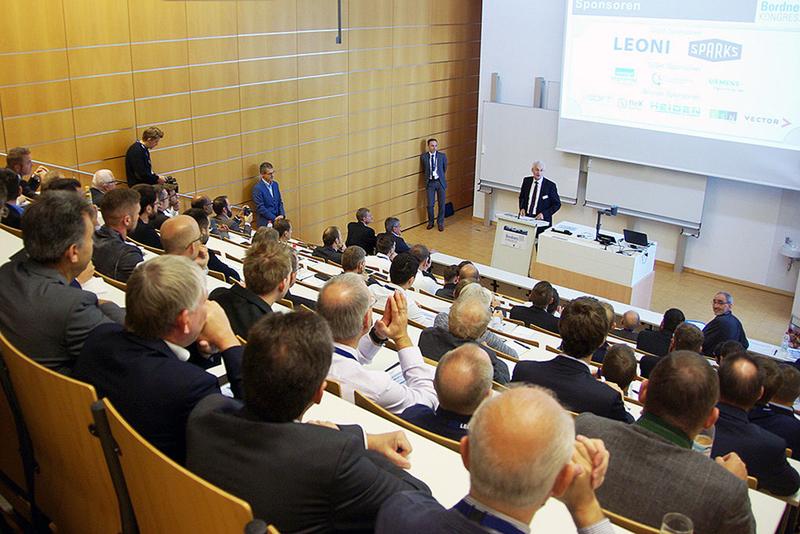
(433, 166)
(532, 206)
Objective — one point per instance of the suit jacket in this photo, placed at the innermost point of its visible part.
(441, 167)
(14, 217)
(549, 201)
(216, 264)
(630, 335)
(97, 195)
(654, 341)
(723, 328)
(574, 385)
(434, 342)
(400, 244)
(781, 421)
(362, 235)
(242, 306)
(648, 476)
(533, 315)
(446, 292)
(268, 206)
(443, 422)
(47, 318)
(152, 389)
(138, 168)
(328, 253)
(114, 257)
(762, 451)
(413, 511)
(302, 477)
(146, 235)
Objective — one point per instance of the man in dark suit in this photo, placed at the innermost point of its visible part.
(332, 246)
(764, 453)
(583, 328)
(778, 415)
(536, 314)
(508, 430)
(13, 212)
(43, 315)
(724, 327)
(152, 370)
(302, 476)
(214, 263)
(463, 380)
(686, 337)
(145, 233)
(138, 168)
(267, 196)
(393, 230)
(630, 322)
(267, 274)
(103, 181)
(657, 341)
(538, 197)
(434, 168)
(19, 162)
(450, 276)
(678, 402)
(113, 256)
(359, 233)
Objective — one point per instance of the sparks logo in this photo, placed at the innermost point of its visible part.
(715, 50)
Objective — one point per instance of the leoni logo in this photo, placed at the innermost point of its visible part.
(715, 50)
(651, 46)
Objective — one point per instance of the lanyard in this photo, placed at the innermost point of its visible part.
(342, 352)
(486, 519)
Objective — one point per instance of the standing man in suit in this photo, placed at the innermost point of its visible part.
(359, 233)
(138, 168)
(434, 166)
(538, 197)
(267, 196)
(725, 326)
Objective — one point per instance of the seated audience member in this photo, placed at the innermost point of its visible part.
(678, 402)
(284, 228)
(741, 383)
(393, 230)
(536, 314)
(296, 300)
(223, 216)
(506, 486)
(469, 317)
(462, 381)
(424, 279)
(724, 327)
(162, 207)
(450, 276)
(619, 367)
(401, 278)
(384, 254)
(173, 200)
(43, 315)
(359, 233)
(686, 337)
(267, 273)
(469, 288)
(778, 416)
(265, 234)
(204, 203)
(332, 246)
(61, 183)
(214, 263)
(182, 236)
(103, 181)
(583, 327)
(657, 341)
(13, 211)
(152, 370)
(354, 260)
(555, 306)
(600, 353)
(113, 256)
(345, 303)
(304, 477)
(145, 233)
(19, 162)
(468, 271)
(728, 348)
(630, 322)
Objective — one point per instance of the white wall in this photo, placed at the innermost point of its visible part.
(744, 225)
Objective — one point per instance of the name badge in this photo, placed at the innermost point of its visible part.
(545, 196)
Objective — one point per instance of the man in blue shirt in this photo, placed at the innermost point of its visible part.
(267, 196)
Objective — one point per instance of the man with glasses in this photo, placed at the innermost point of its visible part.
(267, 196)
(181, 236)
(725, 326)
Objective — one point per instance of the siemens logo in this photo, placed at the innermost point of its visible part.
(715, 50)
(651, 46)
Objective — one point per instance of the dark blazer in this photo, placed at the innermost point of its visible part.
(762, 451)
(443, 422)
(549, 201)
(723, 328)
(328, 253)
(630, 335)
(242, 306)
(114, 257)
(654, 341)
(414, 511)
(781, 421)
(434, 342)
(362, 235)
(153, 390)
(146, 235)
(14, 218)
(30, 185)
(399, 243)
(302, 477)
(158, 219)
(533, 315)
(575, 387)
(447, 292)
(216, 264)
(138, 168)
(268, 206)
(97, 195)
(441, 167)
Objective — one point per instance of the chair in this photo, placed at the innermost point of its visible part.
(216, 274)
(122, 286)
(333, 387)
(72, 485)
(501, 354)
(630, 524)
(154, 250)
(752, 483)
(524, 340)
(371, 406)
(552, 349)
(165, 496)
(498, 387)
(16, 450)
(303, 307)
(13, 231)
(287, 303)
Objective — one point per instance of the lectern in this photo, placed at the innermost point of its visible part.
(513, 242)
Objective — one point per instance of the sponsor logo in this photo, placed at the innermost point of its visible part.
(731, 86)
(769, 121)
(648, 46)
(723, 114)
(715, 50)
(675, 109)
(625, 74)
(629, 103)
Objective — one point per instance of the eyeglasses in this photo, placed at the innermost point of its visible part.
(717, 301)
(198, 240)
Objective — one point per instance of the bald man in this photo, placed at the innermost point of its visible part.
(462, 381)
(529, 434)
(181, 236)
(630, 322)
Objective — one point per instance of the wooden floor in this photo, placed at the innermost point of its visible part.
(765, 315)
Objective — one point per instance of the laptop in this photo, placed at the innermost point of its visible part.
(635, 238)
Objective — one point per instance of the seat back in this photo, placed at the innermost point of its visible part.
(165, 496)
(216, 274)
(13, 481)
(630, 524)
(72, 484)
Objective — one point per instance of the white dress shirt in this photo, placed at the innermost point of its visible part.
(379, 385)
(426, 283)
(383, 290)
(538, 195)
(379, 261)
